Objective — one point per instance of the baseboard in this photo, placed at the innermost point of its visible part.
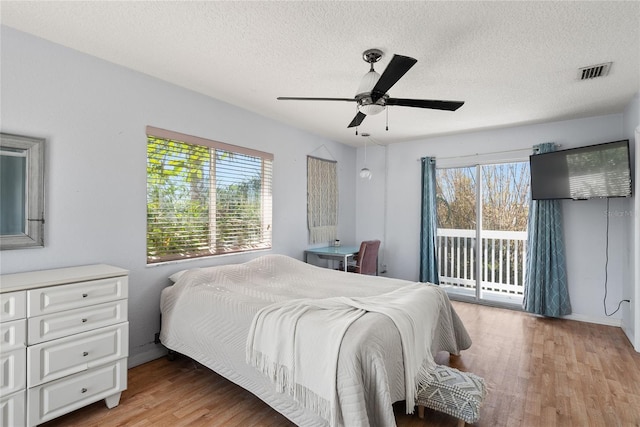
(628, 333)
(598, 320)
(154, 353)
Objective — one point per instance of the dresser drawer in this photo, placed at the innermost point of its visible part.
(12, 371)
(65, 356)
(13, 306)
(12, 409)
(58, 325)
(13, 335)
(58, 298)
(56, 398)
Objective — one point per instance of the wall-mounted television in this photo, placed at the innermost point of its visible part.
(594, 171)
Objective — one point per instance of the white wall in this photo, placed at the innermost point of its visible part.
(93, 115)
(631, 288)
(634, 294)
(371, 198)
(584, 221)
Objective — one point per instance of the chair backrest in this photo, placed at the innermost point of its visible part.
(368, 257)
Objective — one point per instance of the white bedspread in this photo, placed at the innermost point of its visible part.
(208, 312)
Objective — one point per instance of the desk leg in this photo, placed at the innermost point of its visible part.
(346, 257)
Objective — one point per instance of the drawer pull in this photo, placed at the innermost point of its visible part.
(84, 390)
(85, 354)
(84, 320)
(85, 295)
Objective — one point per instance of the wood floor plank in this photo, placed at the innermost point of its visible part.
(539, 372)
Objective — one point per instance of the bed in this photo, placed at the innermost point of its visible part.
(208, 312)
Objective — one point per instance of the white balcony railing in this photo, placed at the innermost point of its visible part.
(502, 267)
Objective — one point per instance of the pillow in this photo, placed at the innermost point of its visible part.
(175, 276)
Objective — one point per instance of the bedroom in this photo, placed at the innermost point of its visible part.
(93, 114)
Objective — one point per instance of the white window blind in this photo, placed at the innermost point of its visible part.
(205, 197)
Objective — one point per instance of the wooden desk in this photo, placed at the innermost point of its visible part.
(341, 253)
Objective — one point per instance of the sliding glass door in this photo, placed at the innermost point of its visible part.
(482, 223)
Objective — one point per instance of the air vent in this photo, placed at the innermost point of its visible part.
(594, 71)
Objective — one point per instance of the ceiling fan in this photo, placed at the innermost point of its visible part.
(372, 97)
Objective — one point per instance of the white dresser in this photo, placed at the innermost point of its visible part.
(64, 342)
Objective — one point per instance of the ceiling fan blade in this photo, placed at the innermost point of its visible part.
(397, 68)
(357, 120)
(426, 103)
(294, 98)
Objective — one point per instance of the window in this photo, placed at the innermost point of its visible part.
(204, 197)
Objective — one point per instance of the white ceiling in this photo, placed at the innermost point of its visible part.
(511, 62)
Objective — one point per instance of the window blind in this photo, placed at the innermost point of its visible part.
(205, 198)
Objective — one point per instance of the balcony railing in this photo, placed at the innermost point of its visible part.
(502, 266)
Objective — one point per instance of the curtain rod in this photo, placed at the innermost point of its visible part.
(309, 156)
(485, 154)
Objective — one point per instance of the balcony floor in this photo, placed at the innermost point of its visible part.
(490, 297)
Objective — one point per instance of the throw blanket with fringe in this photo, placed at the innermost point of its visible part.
(296, 343)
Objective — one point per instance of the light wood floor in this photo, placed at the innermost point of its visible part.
(540, 372)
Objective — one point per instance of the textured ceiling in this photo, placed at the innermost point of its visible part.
(511, 62)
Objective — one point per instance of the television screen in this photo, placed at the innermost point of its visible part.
(582, 173)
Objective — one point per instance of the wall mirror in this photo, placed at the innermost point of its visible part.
(21, 192)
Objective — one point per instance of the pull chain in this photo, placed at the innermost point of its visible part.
(387, 112)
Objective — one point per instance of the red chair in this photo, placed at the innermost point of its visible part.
(367, 258)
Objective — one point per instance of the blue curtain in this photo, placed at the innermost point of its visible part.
(545, 287)
(429, 223)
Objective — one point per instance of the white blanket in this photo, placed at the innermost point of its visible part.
(296, 343)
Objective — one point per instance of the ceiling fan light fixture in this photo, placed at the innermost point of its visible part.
(368, 82)
(363, 96)
(366, 106)
(371, 109)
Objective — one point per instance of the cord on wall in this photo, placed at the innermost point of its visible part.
(606, 270)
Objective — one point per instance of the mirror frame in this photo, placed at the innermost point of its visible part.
(34, 221)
